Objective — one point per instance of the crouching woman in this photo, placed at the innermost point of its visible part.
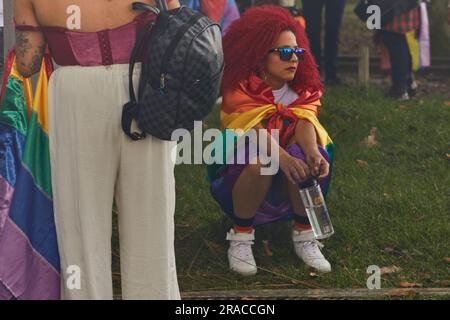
(270, 83)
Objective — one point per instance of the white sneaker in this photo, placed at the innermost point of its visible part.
(307, 248)
(240, 255)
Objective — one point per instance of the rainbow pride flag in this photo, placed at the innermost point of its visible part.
(29, 259)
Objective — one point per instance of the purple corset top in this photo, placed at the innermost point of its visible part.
(106, 47)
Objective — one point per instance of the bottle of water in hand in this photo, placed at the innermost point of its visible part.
(316, 208)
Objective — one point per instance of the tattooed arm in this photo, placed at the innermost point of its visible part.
(30, 45)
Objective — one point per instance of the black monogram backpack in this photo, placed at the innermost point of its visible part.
(181, 72)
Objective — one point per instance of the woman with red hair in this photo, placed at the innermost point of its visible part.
(270, 83)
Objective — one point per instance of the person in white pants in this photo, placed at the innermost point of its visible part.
(92, 160)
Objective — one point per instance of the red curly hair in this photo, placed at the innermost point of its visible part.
(248, 40)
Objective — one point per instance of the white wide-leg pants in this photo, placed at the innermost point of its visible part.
(92, 163)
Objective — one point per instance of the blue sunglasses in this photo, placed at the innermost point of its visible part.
(286, 53)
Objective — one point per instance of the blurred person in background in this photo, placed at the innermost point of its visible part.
(334, 11)
(400, 36)
(296, 13)
(220, 11)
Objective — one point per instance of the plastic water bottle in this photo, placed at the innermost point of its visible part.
(316, 209)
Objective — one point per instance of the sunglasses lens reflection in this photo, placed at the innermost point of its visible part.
(287, 53)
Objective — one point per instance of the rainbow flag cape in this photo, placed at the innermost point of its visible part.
(29, 259)
(251, 104)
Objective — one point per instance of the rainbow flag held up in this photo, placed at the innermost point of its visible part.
(29, 258)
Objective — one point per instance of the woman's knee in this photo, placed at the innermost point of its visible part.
(256, 170)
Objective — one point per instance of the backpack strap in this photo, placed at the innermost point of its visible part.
(162, 5)
(130, 108)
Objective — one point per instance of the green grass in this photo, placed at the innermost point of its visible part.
(400, 200)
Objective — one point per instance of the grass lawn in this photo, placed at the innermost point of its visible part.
(393, 211)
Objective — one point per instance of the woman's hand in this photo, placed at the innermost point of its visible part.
(294, 169)
(306, 138)
(317, 164)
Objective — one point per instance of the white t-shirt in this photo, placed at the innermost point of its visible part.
(285, 95)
